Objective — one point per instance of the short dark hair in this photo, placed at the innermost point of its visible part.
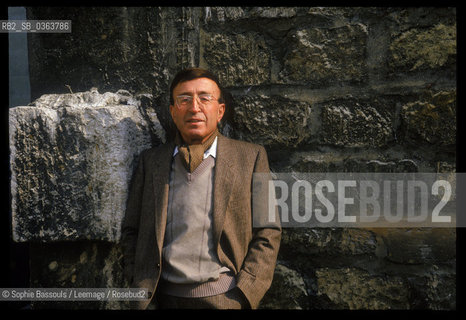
(191, 74)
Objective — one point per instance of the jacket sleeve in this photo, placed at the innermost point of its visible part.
(256, 274)
(130, 224)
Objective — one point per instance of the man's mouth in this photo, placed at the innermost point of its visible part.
(194, 120)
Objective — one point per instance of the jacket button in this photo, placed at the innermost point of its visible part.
(158, 265)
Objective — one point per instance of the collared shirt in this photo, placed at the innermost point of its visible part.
(212, 151)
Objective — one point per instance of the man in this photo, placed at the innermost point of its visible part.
(188, 231)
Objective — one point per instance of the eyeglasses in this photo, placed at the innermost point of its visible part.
(184, 101)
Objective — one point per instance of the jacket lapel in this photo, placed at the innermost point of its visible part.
(223, 182)
(161, 176)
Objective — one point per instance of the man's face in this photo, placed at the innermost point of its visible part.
(197, 121)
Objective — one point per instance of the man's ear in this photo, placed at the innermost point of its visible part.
(171, 108)
(221, 111)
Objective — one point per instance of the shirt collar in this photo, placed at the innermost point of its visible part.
(212, 151)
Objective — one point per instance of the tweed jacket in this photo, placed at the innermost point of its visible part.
(249, 252)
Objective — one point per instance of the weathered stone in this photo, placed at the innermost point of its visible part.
(187, 46)
(421, 18)
(439, 290)
(351, 288)
(334, 162)
(273, 120)
(229, 14)
(431, 119)
(326, 56)
(288, 290)
(109, 48)
(331, 159)
(310, 241)
(237, 59)
(353, 123)
(424, 49)
(273, 12)
(344, 15)
(330, 12)
(223, 14)
(442, 167)
(82, 264)
(417, 246)
(72, 157)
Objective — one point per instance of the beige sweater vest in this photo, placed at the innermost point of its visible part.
(190, 263)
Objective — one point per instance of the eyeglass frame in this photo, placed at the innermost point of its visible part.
(191, 98)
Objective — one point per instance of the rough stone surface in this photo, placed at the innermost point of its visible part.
(288, 291)
(93, 265)
(322, 56)
(424, 49)
(274, 12)
(352, 289)
(330, 240)
(335, 162)
(249, 52)
(432, 119)
(224, 13)
(380, 268)
(72, 157)
(273, 120)
(354, 123)
(109, 48)
(416, 246)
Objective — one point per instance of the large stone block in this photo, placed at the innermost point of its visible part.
(351, 288)
(273, 12)
(230, 14)
(324, 56)
(72, 157)
(418, 49)
(337, 161)
(272, 120)
(237, 59)
(109, 48)
(418, 245)
(288, 290)
(357, 123)
(77, 264)
(329, 241)
(431, 119)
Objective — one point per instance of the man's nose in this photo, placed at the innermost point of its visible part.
(195, 106)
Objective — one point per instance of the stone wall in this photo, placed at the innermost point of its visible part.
(323, 89)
